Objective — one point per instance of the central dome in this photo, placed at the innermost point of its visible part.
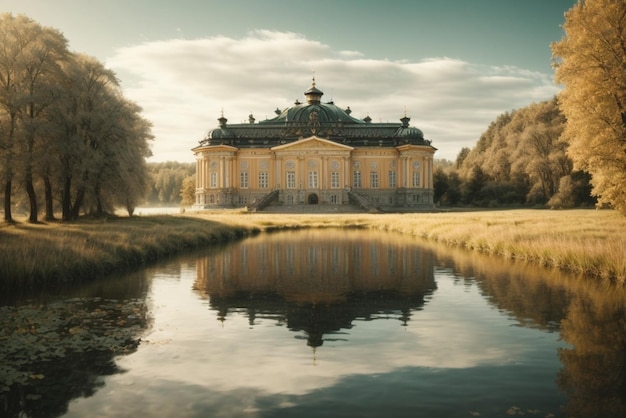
(314, 111)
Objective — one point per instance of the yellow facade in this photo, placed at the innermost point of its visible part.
(314, 171)
(315, 153)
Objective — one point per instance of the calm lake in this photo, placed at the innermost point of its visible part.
(333, 323)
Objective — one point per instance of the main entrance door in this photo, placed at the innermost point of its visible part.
(312, 199)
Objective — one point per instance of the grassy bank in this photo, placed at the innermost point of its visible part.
(586, 242)
(35, 256)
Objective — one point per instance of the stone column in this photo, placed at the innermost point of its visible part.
(323, 174)
(405, 171)
(278, 174)
(347, 180)
(221, 173)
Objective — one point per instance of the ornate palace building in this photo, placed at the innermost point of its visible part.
(314, 153)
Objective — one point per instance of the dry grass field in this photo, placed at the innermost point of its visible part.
(586, 242)
(589, 242)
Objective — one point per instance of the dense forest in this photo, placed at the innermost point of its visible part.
(519, 160)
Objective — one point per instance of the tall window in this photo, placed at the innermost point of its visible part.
(356, 179)
(334, 180)
(374, 179)
(243, 179)
(263, 180)
(392, 179)
(291, 179)
(213, 180)
(416, 179)
(312, 179)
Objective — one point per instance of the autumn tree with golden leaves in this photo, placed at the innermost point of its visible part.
(590, 62)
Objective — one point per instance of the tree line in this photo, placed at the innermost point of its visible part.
(67, 133)
(166, 183)
(520, 160)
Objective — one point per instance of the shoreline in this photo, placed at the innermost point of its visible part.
(584, 242)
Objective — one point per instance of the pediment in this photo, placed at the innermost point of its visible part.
(416, 148)
(312, 143)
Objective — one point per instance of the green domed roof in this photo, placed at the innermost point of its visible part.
(310, 113)
(313, 111)
(410, 133)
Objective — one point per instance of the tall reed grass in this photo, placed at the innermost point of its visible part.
(588, 242)
(48, 255)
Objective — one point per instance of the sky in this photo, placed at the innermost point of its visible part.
(452, 66)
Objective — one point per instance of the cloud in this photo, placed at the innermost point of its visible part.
(183, 85)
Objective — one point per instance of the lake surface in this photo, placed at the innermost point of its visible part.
(329, 323)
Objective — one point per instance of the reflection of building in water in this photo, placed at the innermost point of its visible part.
(318, 281)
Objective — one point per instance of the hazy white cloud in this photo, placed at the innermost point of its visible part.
(183, 86)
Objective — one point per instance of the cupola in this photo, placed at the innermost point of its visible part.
(313, 94)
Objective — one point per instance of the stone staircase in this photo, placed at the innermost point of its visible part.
(361, 201)
(269, 204)
(263, 202)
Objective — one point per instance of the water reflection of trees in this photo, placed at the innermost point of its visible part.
(316, 281)
(590, 316)
(594, 370)
(56, 350)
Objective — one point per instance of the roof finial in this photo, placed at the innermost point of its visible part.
(313, 71)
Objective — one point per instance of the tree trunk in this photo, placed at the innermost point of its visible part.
(99, 210)
(8, 217)
(48, 198)
(66, 204)
(130, 207)
(80, 196)
(32, 199)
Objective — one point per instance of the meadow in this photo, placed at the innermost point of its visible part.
(589, 243)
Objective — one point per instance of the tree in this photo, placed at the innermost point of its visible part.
(440, 184)
(11, 45)
(30, 59)
(522, 155)
(188, 191)
(461, 156)
(65, 125)
(101, 142)
(167, 180)
(590, 63)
